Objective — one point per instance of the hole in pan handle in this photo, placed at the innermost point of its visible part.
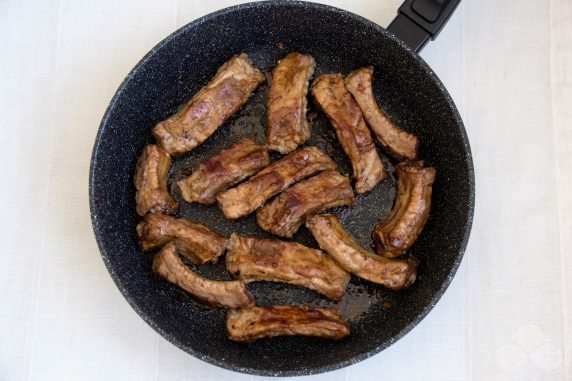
(419, 20)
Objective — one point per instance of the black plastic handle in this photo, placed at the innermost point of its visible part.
(419, 20)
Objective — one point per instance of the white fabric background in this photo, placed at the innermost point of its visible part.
(507, 314)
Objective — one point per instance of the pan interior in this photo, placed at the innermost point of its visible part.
(340, 42)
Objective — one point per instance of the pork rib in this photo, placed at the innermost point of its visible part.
(168, 265)
(400, 230)
(400, 144)
(257, 259)
(230, 88)
(253, 323)
(193, 240)
(332, 238)
(285, 214)
(223, 170)
(151, 195)
(287, 124)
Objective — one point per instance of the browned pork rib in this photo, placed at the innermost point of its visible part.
(250, 195)
(253, 323)
(410, 212)
(344, 114)
(400, 144)
(193, 240)
(168, 264)
(150, 180)
(287, 212)
(331, 236)
(223, 170)
(287, 124)
(256, 259)
(230, 88)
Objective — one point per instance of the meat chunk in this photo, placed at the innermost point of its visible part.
(223, 170)
(193, 240)
(287, 212)
(331, 95)
(168, 265)
(230, 88)
(331, 236)
(287, 103)
(250, 195)
(253, 323)
(400, 230)
(400, 144)
(256, 259)
(150, 180)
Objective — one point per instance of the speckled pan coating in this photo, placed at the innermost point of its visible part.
(340, 41)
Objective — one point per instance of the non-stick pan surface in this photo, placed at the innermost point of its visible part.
(340, 42)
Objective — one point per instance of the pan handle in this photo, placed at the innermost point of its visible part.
(419, 20)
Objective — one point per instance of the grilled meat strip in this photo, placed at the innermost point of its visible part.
(287, 212)
(287, 103)
(400, 144)
(253, 323)
(223, 170)
(256, 259)
(331, 95)
(193, 240)
(150, 180)
(400, 230)
(395, 274)
(250, 195)
(168, 265)
(230, 88)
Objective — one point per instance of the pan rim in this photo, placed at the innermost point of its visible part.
(293, 372)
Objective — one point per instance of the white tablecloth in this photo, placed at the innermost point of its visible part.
(507, 314)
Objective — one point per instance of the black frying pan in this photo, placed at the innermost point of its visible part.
(340, 41)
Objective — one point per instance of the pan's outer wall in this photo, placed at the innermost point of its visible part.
(176, 68)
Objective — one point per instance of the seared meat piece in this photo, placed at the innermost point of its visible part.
(250, 195)
(400, 144)
(151, 195)
(410, 212)
(252, 259)
(230, 88)
(234, 293)
(223, 170)
(344, 114)
(287, 124)
(253, 323)
(287, 212)
(331, 236)
(193, 240)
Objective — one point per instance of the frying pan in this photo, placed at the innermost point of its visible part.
(340, 41)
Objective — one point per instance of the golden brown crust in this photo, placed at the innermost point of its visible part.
(250, 195)
(168, 265)
(223, 170)
(253, 259)
(395, 274)
(230, 88)
(287, 124)
(400, 230)
(332, 96)
(285, 214)
(195, 241)
(253, 323)
(400, 144)
(151, 171)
